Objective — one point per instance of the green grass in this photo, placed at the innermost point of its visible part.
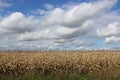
(63, 77)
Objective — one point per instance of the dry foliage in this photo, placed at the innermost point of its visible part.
(102, 64)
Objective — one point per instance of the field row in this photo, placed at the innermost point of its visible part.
(103, 64)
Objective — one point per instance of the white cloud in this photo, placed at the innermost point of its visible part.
(31, 36)
(110, 32)
(60, 27)
(62, 31)
(78, 14)
(17, 23)
(111, 29)
(112, 39)
(39, 11)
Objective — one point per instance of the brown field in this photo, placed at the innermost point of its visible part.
(100, 64)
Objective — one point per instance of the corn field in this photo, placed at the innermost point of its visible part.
(101, 64)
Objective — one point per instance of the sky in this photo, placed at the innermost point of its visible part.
(59, 24)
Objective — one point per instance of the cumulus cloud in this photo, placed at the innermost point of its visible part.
(110, 33)
(32, 36)
(112, 39)
(111, 29)
(17, 23)
(62, 27)
(78, 14)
